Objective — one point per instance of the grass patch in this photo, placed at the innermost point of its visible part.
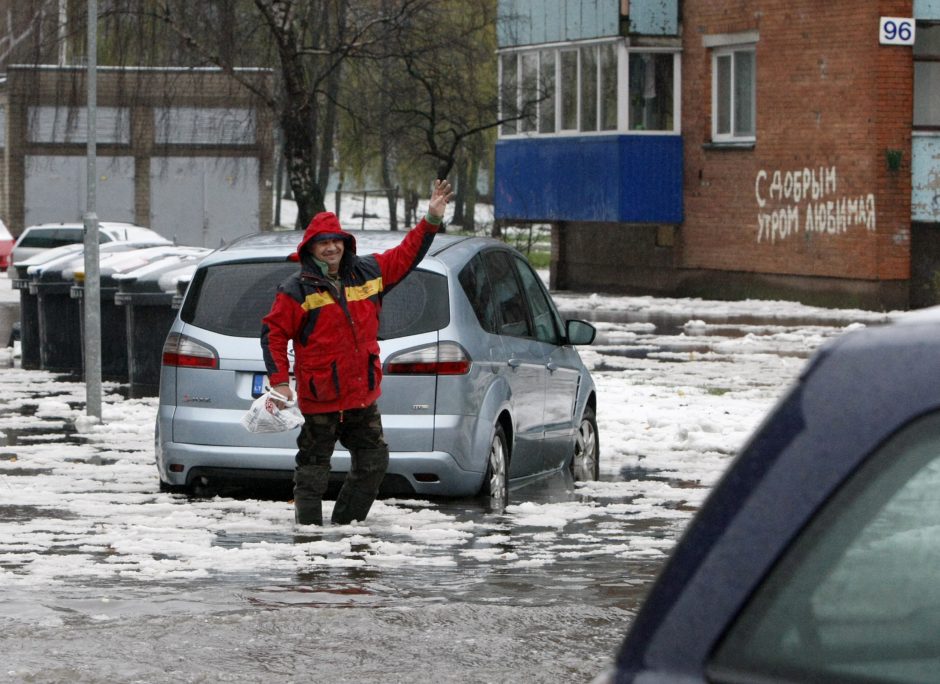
(539, 259)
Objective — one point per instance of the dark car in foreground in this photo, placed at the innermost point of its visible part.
(482, 385)
(816, 558)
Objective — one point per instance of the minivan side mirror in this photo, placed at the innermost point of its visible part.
(580, 332)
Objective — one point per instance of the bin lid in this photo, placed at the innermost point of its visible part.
(53, 269)
(49, 255)
(65, 268)
(117, 264)
(177, 280)
(147, 278)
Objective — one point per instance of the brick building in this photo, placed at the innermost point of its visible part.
(756, 148)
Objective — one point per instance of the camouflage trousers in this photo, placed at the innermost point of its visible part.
(360, 432)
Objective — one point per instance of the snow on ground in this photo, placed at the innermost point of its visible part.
(681, 384)
(673, 409)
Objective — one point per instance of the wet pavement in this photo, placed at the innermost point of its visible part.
(108, 580)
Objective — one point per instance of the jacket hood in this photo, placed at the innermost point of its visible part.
(324, 225)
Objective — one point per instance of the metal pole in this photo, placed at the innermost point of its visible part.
(92, 294)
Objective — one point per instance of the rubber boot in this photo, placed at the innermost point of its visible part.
(351, 504)
(310, 483)
(361, 486)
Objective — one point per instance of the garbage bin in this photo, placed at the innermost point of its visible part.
(60, 348)
(147, 297)
(29, 302)
(115, 360)
(60, 320)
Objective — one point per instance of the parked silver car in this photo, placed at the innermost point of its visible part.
(36, 239)
(482, 382)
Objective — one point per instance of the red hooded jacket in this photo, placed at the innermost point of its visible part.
(334, 323)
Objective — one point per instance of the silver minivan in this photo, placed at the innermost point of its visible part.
(482, 384)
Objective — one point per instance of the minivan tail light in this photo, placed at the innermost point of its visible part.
(445, 358)
(179, 350)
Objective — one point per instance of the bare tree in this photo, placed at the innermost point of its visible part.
(430, 97)
(427, 101)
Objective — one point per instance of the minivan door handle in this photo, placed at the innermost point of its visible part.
(514, 363)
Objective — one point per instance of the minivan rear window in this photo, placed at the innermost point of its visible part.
(231, 299)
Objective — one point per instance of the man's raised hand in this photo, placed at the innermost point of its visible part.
(441, 194)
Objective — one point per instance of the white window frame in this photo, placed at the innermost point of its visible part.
(623, 93)
(728, 45)
(621, 63)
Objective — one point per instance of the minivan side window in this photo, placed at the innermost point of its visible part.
(420, 303)
(510, 301)
(476, 285)
(855, 598)
(543, 312)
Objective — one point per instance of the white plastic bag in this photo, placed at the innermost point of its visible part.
(265, 416)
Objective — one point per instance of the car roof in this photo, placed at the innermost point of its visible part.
(81, 225)
(280, 244)
(115, 229)
(854, 393)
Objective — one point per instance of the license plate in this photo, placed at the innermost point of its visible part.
(259, 381)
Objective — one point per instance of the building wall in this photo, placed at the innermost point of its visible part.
(831, 103)
(47, 138)
(818, 207)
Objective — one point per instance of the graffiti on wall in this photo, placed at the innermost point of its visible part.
(808, 200)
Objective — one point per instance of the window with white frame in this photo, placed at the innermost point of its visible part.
(734, 94)
(576, 88)
(652, 90)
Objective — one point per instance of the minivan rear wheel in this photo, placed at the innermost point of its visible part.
(585, 462)
(496, 482)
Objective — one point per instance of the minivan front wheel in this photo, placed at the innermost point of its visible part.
(496, 482)
(585, 462)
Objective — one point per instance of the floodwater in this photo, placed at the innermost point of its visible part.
(107, 580)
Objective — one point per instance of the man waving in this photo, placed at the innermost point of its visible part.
(330, 309)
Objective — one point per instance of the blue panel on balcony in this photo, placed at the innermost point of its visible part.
(617, 178)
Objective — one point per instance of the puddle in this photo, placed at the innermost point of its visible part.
(22, 513)
(60, 432)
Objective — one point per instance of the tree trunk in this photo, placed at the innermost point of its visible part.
(298, 153)
(470, 195)
(460, 193)
(391, 191)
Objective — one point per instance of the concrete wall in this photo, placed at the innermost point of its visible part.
(219, 131)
